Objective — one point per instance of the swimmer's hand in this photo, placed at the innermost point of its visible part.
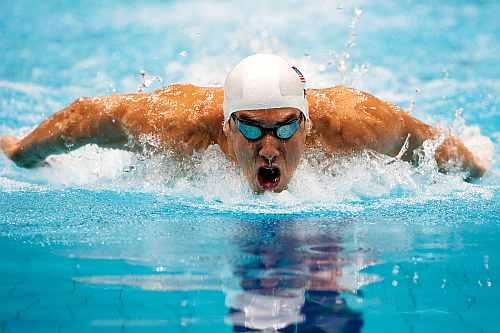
(10, 146)
(452, 154)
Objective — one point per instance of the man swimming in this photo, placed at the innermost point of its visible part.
(263, 120)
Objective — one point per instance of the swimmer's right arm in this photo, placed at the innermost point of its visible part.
(180, 117)
(85, 121)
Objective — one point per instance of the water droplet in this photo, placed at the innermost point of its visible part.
(147, 80)
(129, 168)
(486, 260)
(183, 53)
(394, 283)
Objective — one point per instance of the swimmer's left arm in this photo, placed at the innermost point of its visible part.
(346, 120)
(450, 154)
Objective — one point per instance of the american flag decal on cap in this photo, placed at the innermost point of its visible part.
(301, 77)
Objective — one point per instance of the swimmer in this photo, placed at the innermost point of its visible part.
(263, 120)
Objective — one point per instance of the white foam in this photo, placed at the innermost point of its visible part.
(11, 185)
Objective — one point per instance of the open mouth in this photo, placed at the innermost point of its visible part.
(268, 177)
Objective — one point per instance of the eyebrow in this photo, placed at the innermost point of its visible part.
(252, 119)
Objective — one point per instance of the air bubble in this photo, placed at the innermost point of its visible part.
(415, 278)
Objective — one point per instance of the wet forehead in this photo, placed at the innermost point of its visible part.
(269, 116)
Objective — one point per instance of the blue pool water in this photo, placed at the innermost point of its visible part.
(108, 241)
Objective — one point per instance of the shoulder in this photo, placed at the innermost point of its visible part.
(190, 115)
(348, 103)
(348, 119)
(325, 101)
(188, 90)
(191, 101)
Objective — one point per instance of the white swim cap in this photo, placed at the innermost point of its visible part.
(264, 81)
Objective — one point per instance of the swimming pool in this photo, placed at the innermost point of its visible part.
(108, 241)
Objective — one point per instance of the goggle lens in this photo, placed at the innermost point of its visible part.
(288, 130)
(255, 132)
(250, 132)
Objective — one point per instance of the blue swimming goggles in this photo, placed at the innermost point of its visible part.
(253, 132)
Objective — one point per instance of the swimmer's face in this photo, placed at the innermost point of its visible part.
(267, 162)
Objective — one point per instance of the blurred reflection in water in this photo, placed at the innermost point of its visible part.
(292, 283)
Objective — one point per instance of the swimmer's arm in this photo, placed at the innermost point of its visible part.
(346, 120)
(85, 121)
(399, 126)
(450, 154)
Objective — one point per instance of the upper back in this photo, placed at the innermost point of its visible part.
(343, 119)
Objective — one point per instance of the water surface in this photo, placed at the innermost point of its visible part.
(105, 240)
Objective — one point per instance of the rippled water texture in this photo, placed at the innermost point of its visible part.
(105, 240)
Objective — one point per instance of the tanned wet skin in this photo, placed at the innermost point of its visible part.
(186, 118)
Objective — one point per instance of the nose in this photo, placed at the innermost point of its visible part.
(269, 150)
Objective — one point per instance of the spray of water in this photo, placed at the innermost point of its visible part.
(147, 80)
(208, 179)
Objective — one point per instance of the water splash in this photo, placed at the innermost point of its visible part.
(482, 146)
(413, 101)
(342, 59)
(148, 80)
(208, 179)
